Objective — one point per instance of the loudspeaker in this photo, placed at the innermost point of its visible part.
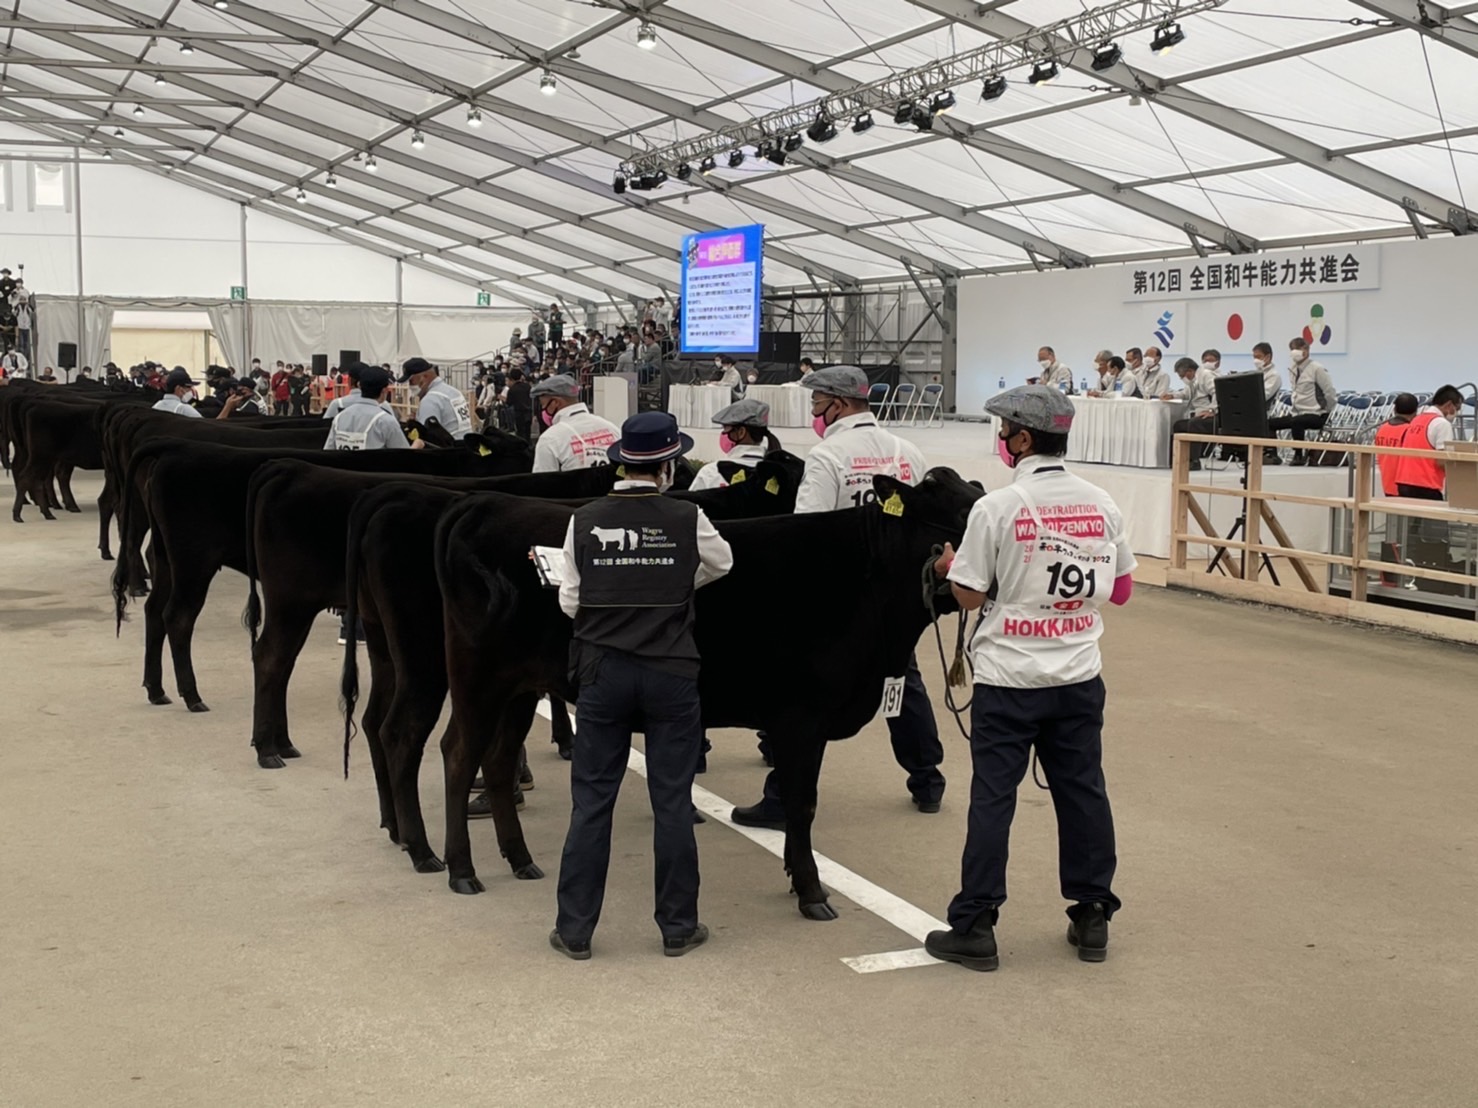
(320, 364)
(66, 355)
(348, 357)
(780, 346)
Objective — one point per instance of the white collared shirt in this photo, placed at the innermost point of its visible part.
(176, 406)
(577, 439)
(748, 455)
(839, 471)
(448, 407)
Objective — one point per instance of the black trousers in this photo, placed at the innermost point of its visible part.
(1065, 724)
(1419, 492)
(624, 695)
(1192, 427)
(915, 738)
(1299, 425)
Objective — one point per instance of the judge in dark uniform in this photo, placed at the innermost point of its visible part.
(632, 562)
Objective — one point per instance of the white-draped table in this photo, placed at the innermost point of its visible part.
(1123, 432)
(790, 405)
(694, 405)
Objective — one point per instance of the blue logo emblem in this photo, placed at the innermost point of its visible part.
(1162, 329)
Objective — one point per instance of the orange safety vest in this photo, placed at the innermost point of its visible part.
(1422, 473)
(1391, 434)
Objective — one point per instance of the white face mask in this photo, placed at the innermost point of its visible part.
(1260, 363)
(1152, 362)
(1210, 365)
(1045, 363)
(1299, 355)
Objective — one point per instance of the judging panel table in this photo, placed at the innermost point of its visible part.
(694, 405)
(1123, 432)
(790, 405)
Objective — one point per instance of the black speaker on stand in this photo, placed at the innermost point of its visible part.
(66, 355)
(348, 357)
(320, 364)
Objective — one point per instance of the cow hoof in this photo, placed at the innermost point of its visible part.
(107, 555)
(159, 698)
(821, 910)
(289, 751)
(270, 761)
(530, 872)
(72, 509)
(136, 592)
(431, 864)
(197, 706)
(467, 886)
(566, 752)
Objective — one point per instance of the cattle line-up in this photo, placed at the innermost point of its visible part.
(429, 549)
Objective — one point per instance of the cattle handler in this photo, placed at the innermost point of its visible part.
(632, 561)
(838, 475)
(1042, 556)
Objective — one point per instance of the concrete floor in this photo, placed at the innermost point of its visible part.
(1299, 866)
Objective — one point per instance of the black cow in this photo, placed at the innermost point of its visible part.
(196, 505)
(391, 585)
(842, 590)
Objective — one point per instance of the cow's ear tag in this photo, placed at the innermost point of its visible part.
(483, 450)
(772, 486)
(620, 473)
(742, 475)
(893, 506)
(415, 435)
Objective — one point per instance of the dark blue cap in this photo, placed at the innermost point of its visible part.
(648, 438)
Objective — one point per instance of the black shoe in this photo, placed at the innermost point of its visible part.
(480, 806)
(580, 952)
(698, 817)
(928, 807)
(757, 815)
(702, 764)
(1271, 458)
(676, 948)
(477, 785)
(1299, 460)
(1088, 931)
(1195, 464)
(976, 951)
(525, 778)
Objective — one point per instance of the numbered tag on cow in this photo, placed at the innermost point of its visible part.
(892, 697)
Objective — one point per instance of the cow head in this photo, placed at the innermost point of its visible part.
(938, 507)
(769, 488)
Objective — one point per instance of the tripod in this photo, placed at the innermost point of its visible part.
(1240, 528)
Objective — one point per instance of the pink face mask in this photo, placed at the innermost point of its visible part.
(819, 424)
(725, 443)
(1004, 453)
(545, 418)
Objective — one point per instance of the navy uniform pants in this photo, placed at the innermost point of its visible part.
(620, 697)
(915, 738)
(1065, 724)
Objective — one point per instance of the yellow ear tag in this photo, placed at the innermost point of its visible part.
(415, 434)
(742, 475)
(893, 506)
(620, 473)
(772, 486)
(483, 451)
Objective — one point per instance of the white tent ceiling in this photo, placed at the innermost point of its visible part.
(1276, 123)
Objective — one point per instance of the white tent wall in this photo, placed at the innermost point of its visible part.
(1413, 332)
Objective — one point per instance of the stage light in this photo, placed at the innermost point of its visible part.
(138, 110)
(923, 118)
(1106, 57)
(118, 132)
(418, 140)
(301, 197)
(474, 117)
(823, 130)
(862, 123)
(646, 36)
(942, 102)
(372, 165)
(684, 171)
(159, 79)
(904, 112)
(1167, 35)
(707, 166)
(331, 181)
(107, 153)
(1043, 73)
(736, 158)
(793, 142)
(993, 87)
(547, 84)
(772, 151)
(186, 48)
(618, 184)
(221, 5)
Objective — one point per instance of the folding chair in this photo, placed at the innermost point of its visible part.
(930, 403)
(899, 405)
(877, 398)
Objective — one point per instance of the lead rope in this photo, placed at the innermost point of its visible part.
(958, 673)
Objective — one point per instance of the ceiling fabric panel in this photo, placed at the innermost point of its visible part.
(1270, 122)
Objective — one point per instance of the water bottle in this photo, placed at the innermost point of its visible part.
(1083, 387)
(1064, 386)
(1118, 385)
(1001, 384)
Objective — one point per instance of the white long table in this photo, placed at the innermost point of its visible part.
(1120, 432)
(790, 405)
(694, 405)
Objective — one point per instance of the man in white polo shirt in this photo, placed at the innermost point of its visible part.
(573, 437)
(1042, 557)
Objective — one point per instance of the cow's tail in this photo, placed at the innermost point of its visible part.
(349, 676)
(251, 617)
(130, 500)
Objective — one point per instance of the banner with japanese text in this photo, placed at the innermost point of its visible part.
(1336, 269)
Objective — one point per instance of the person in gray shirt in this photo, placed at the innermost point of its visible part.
(1200, 397)
(1311, 394)
(439, 400)
(363, 424)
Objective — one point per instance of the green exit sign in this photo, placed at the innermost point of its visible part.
(484, 300)
(238, 292)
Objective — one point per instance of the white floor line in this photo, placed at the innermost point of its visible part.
(859, 890)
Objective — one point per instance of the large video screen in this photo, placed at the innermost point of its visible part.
(723, 272)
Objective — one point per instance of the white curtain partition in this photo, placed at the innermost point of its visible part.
(449, 336)
(228, 321)
(295, 332)
(56, 322)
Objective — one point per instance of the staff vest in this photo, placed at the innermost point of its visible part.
(1422, 473)
(1391, 434)
(637, 555)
